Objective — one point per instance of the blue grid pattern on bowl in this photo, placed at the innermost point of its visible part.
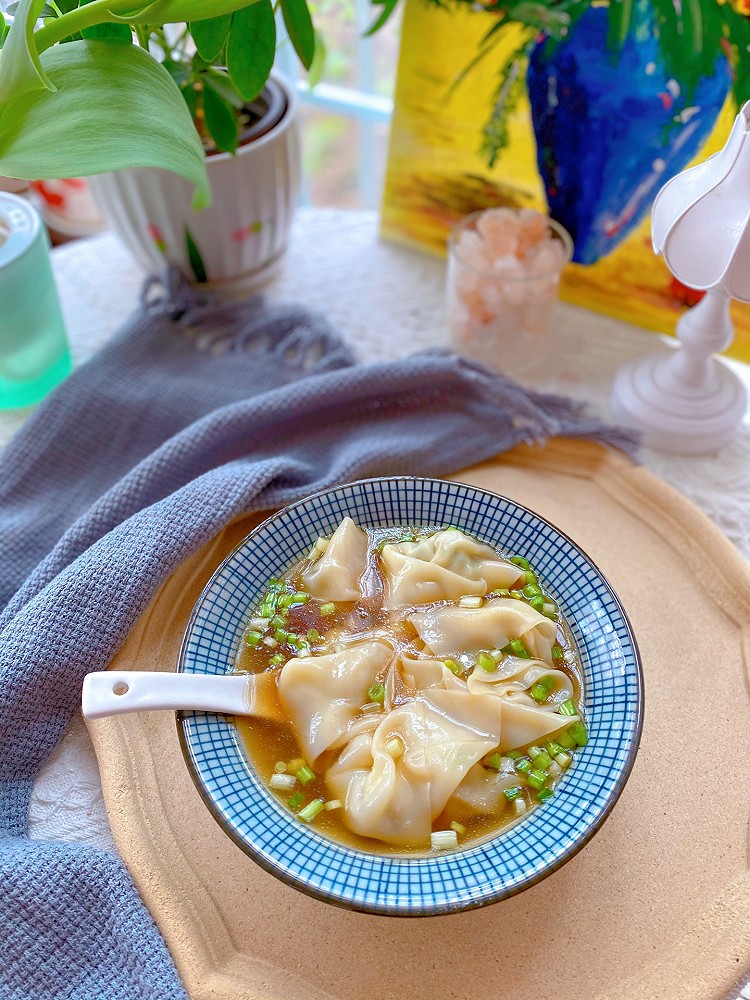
(480, 874)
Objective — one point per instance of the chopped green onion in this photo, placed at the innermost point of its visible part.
(544, 793)
(443, 840)
(305, 775)
(566, 741)
(518, 649)
(557, 651)
(454, 666)
(281, 635)
(334, 804)
(408, 537)
(537, 603)
(512, 793)
(458, 827)
(278, 621)
(311, 810)
(541, 758)
(523, 765)
(563, 759)
(568, 708)
(532, 590)
(296, 764)
(327, 609)
(520, 561)
(486, 662)
(540, 691)
(280, 767)
(537, 779)
(270, 642)
(285, 782)
(517, 595)
(531, 581)
(553, 748)
(296, 800)
(553, 769)
(252, 639)
(277, 659)
(549, 610)
(579, 733)
(520, 805)
(394, 747)
(275, 584)
(313, 635)
(376, 692)
(495, 761)
(286, 601)
(303, 647)
(513, 754)
(300, 597)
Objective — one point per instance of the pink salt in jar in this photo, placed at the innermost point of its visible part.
(504, 269)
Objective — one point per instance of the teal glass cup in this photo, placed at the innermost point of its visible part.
(34, 353)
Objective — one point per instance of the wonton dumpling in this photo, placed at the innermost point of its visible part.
(396, 799)
(335, 575)
(523, 720)
(444, 567)
(515, 676)
(449, 629)
(322, 694)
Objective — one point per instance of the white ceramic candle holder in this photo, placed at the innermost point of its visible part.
(685, 400)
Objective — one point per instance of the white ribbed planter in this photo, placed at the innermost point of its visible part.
(241, 236)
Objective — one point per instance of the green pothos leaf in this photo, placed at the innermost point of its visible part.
(66, 133)
(20, 68)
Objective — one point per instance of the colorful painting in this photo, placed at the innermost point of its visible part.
(579, 108)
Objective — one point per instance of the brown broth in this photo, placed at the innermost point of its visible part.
(268, 742)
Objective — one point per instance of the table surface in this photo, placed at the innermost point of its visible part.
(387, 302)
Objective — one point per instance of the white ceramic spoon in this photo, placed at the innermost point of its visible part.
(116, 692)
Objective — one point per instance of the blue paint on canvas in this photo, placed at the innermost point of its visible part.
(611, 132)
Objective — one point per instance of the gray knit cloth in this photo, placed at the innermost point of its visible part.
(193, 415)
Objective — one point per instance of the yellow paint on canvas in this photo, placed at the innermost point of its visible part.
(435, 174)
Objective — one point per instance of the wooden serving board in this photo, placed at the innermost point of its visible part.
(656, 907)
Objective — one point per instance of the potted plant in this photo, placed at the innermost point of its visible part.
(143, 88)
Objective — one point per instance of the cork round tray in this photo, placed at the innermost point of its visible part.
(656, 906)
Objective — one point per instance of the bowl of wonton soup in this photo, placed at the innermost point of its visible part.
(452, 696)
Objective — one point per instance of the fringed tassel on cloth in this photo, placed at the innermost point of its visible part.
(300, 339)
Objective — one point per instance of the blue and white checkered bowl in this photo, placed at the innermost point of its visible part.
(402, 885)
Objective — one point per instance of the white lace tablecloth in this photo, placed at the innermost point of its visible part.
(387, 302)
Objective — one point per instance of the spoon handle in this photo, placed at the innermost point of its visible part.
(115, 692)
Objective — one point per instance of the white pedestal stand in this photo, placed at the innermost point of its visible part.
(684, 400)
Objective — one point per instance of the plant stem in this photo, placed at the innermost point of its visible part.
(96, 12)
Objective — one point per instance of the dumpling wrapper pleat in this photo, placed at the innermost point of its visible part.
(448, 629)
(444, 567)
(322, 694)
(444, 733)
(335, 576)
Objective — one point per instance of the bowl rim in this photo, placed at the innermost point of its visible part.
(390, 909)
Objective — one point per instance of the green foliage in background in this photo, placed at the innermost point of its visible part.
(106, 84)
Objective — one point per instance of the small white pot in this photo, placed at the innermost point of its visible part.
(241, 236)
